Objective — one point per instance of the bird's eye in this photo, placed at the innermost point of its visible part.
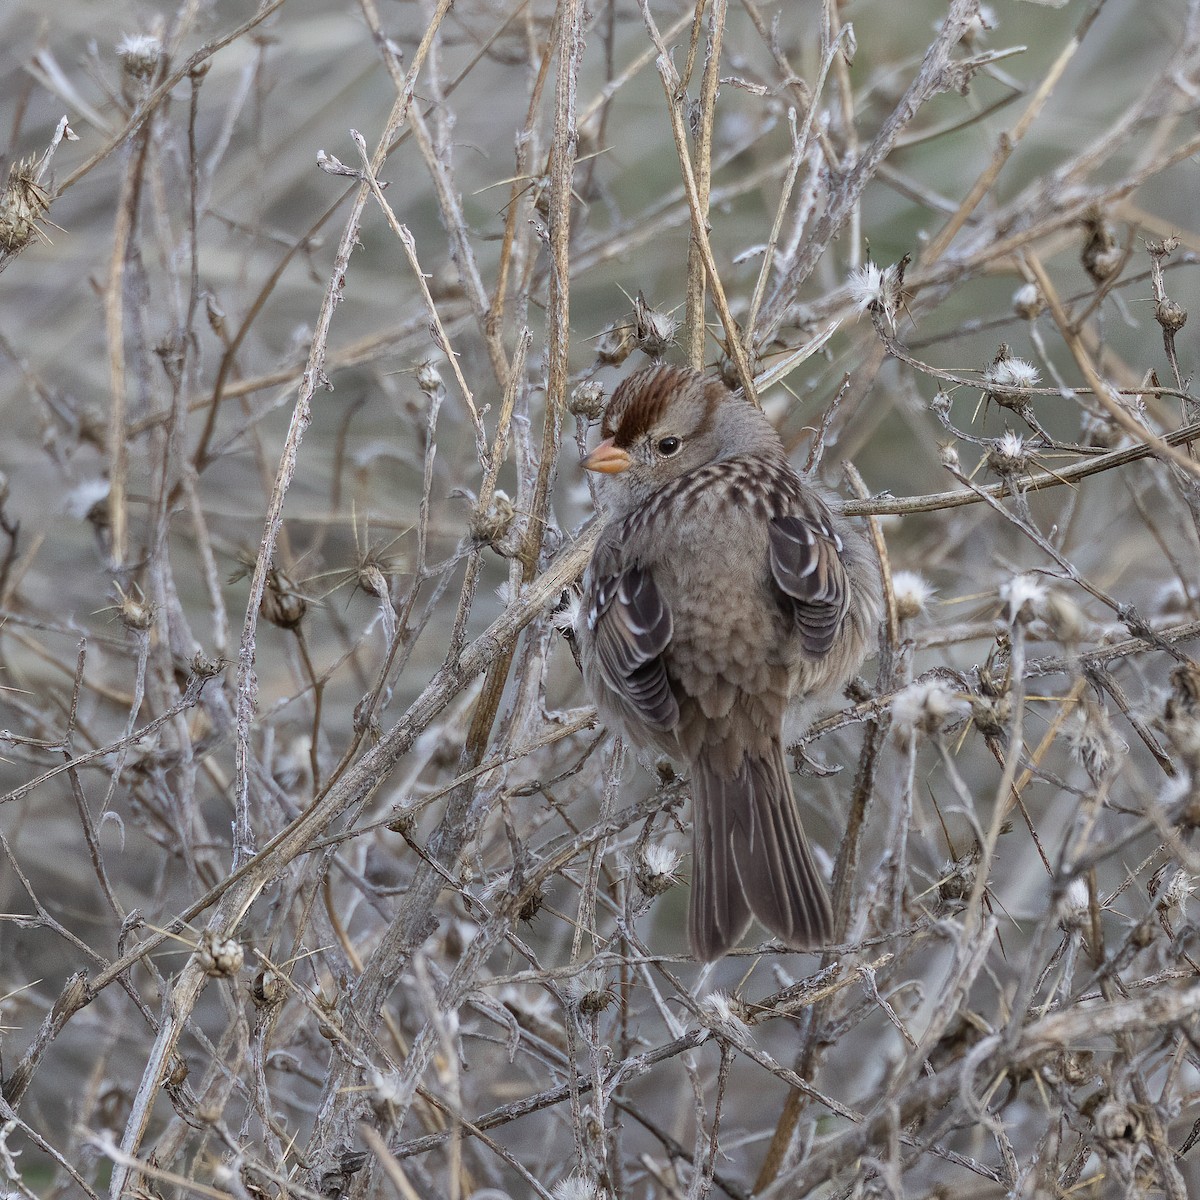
(669, 446)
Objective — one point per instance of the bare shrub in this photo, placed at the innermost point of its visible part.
(316, 876)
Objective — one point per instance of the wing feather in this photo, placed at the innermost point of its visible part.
(806, 562)
(632, 626)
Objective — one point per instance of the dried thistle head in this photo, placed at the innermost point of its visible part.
(1028, 302)
(1008, 455)
(1101, 254)
(281, 604)
(220, 956)
(586, 400)
(133, 609)
(656, 868)
(724, 1014)
(23, 205)
(140, 54)
(913, 593)
(878, 291)
(1024, 599)
(925, 706)
(491, 525)
(1180, 720)
(653, 328)
(267, 989)
(616, 344)
(429, 378)
(1170, 315)
(1092, 742)
(1009, 380)
(592, 992)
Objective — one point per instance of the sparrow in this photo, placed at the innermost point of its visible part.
(724, 588)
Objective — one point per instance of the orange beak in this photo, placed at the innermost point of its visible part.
(607, 459)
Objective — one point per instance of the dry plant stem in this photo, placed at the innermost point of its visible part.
(191, 981)
(234, 895)
(464, 252)
(114, 309)
(694, 324)
(670, 82)
(832, 31)
(562, 166)
(1099, 387)
(525, 154)
(800, 149)
(937, 73)
(1008, 142)
(162, 90)
(410, 927)
(12, 1120)
(1035, 481)
(441, 337)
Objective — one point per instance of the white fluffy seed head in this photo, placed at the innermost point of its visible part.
(1074, 906)
(1027, 301)
(1008, 454)
(1024, 598)
(576, 1187)
(875, 290)
(1177, 892)
(723, 1014)
(913, 593)
(657, 868)
(567, 616)
(1012, 373)
(139, 54)
(926, 706)
(1009, 381)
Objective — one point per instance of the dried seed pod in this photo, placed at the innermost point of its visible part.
(1101, 255)
(134, 610)
(879, 291)
(1024, 599)
(178, 1071)
(1117, 1124)
(429, 378)
(267, 989)
(925, 706)
(957, 877)
(1171, 316)
(1009, 381)
(592, 992)
(1181, 715)
(220, 956)
(372, 580)
(586, 400)
(656, 869)
(1099, 429)
(724, 1014)
(653, 329)
(913, 593)
(23, 204)
(1007, 455)
(531, 905)
(1028, 302)
(491, 525)
(140, 54)
(281, 604)
(615, 345)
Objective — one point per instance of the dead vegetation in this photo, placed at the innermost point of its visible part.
(316, 877)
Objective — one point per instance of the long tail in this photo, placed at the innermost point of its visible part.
(750, 857)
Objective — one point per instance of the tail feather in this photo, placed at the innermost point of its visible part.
(750, 857)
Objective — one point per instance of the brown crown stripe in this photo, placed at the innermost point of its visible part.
(639, 402)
